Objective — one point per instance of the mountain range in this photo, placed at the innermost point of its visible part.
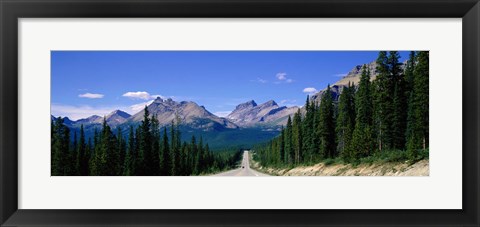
(248, 123)
(190, 114)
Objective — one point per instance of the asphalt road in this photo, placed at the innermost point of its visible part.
(243, 170)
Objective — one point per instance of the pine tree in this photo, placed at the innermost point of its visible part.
(399, 121)
(155, 151)
(175, 145)
(288, 142)
(409, 68)
(418, 138)
(345, 119)
(383, 102)
(282, 145)
(94, 158)
(129, 168)
(82, 161)
(399, 105)
(88, 156)
(107, 163)
(145, 162)
(71, 164)
(297, 137)
(194, 151)
(422, 98)
(184, 160)
(327, 125)
(167, 159)
(178, 143)
(122, 152)
(60, 147)
(308, 130)
(409, 78)
(201, 155)
(362, 138)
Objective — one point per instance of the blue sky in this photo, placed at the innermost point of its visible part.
(97, 82)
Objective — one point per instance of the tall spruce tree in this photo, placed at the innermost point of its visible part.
(201, 155)
(145, 163)
(282, 145)
(289, 142)
(129, 164)
(82, 161)
(297, 137)
(346, 118)
(155, 151)
(60, 147)
(94, 157)
(167, 159)
(308, 130)
(327, 125)
(194, 151)
(362, 138)
(409, 78)
(399, 121)
(71, 164)
(122, 152)
(108, 154)
(88, 156)
(418, 137)
(383, 102)
(409, 68)
(399, 105)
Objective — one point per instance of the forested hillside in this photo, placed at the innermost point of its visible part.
(386, 116)
(148, 151)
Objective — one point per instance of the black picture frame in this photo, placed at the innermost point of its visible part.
(12, 10)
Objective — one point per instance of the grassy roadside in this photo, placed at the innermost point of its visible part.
(257, 167)
(393, 163)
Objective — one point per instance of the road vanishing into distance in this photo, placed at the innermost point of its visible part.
(243, 170)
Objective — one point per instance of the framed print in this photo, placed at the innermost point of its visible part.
(239, 113)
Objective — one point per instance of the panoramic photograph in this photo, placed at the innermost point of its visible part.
(239, 113)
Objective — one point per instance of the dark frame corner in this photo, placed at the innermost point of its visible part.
(12, 10)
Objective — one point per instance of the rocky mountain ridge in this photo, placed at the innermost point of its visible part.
(187, 112)
(250, 114)
(353, 77)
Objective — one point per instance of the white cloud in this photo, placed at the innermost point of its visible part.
(259, 80)
(137, 95)
(141, 95)
(139, 106)
(91, 96)
(281, 76)
(222, 113)
(340, 75)
(310, 90)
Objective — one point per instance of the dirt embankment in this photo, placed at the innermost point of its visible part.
(420, 168)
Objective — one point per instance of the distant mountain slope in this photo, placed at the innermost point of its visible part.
(353, 76)
(94, 119)
(113, 119)
(250, 114)
(117, 117)
(189, 114)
